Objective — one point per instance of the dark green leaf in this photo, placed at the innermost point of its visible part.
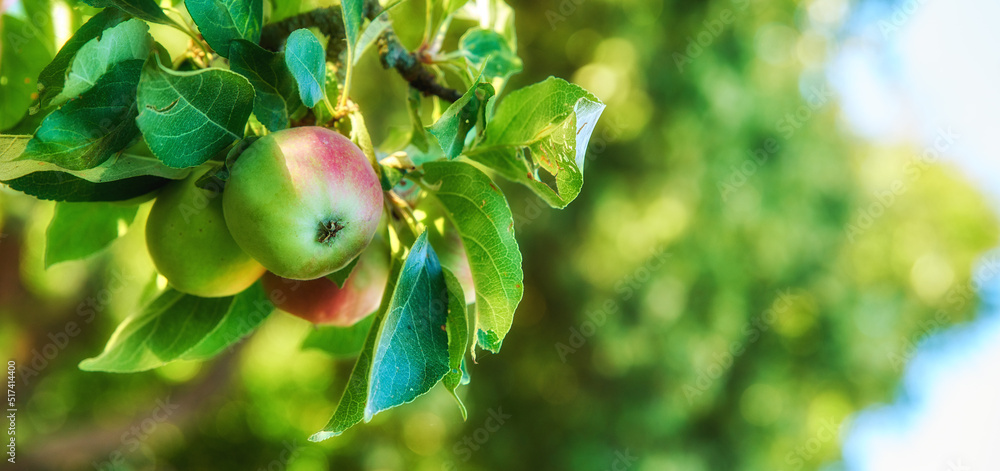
(129, 40)
(458, 337)
(411, 354)
(60, 186)
(479, 211)
(223, 21)
(188, 117)
(544, 127)
(351, 408)
(88, 131)
(23, 53)
(248, 310)
(119, 167)
(456, 122)
(353, 11)
(490, 52)
(306, 60)
(145, 9)
(52, 79)
(178, 326)
(276, 94)
(79, 230)
(340, 341)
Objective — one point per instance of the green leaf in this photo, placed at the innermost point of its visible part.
(451, 6)
(61, 186)
(79, 230)
(178, 326)
(340, 341)
(353, 11)
(306, 60)
(276, 94)
(223, 21)
(360, 136)
(188, 117)
(411, 354)
(88, 131)
(126, 41)
(350, 409)
(375, 28)
(52, 78)
(119, 167)
(248, 310)
(458, 337)
(456, 122)
(144, 9)
(489, 51)
(323, 113)
(479, 211)
(23, 53)
(544, 127)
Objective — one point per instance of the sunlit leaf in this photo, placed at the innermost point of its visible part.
(480, 213)
(188, 117)
(99, 221)
(178, 326)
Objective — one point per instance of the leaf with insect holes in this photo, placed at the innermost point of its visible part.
(539, 136)
(129, 40)
(480, 213)
(178, 326)
(88, 131)
(100, 221)
(223, 21)
(276, 95)
(454, 125)
(52, 78)
(144, 9)
(188, 117)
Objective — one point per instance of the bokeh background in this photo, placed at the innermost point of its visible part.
(772, 266)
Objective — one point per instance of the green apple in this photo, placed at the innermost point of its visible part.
(304, 202)
(190, 245)
(321, 301)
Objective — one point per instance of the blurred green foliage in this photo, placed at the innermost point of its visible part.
(710, 301)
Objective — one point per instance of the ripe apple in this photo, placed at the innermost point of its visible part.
(321, 301)
(190, 245)
(304, 202)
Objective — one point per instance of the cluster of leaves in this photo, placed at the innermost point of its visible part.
(122, 118)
